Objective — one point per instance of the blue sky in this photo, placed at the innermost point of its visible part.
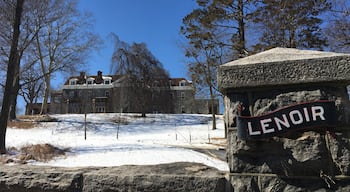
(154, 22)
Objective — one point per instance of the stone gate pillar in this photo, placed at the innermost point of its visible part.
(288, 118)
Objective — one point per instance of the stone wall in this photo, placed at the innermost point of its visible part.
(157, 178)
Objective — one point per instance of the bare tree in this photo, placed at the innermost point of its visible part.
(64, 41)
(141, 68)
(32, 85)
(28, 32)
(12, 68)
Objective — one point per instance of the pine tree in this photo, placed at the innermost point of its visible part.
(292, 24)
(338, 26)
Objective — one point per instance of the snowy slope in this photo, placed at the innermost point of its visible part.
(156, 139)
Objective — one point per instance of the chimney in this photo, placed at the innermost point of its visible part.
(82, 74)
(81, 79)
(99, 78)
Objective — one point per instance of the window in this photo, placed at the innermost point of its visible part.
(90, 80)
(107, 93)
(155, 84)
(57, 99)
(182, 83)
(107, 80)
(72, 82)
(100, 109)
(71, 94)
(182, 95)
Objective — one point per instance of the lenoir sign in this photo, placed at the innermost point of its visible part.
(305, 115)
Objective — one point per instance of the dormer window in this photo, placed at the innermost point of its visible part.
(73, 81)
(182, 83)
(90, 81)
(107, 80)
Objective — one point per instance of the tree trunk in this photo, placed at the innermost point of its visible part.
(16, 88)
(292, 42)
(44, 106)
(11, 69)
(241, 30)
(28, 111)
(13, 107)
(209, 79)
(143, 105)
(212, 100)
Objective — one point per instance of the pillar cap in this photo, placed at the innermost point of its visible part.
(285, 66)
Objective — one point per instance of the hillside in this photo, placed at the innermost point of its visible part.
(114, 140)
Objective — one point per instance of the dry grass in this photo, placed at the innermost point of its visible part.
(3, 159)
(29, 121)
(42, 152)
(38, 152)
(21, 124)
(120, 120)
(219, 142)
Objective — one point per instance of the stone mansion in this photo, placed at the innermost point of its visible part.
(113, 94)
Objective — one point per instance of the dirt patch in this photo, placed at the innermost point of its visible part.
(38, 152)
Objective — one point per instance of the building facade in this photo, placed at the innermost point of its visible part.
(113, 93)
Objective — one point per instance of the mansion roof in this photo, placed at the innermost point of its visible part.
(108, 81)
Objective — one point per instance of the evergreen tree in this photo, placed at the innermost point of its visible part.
(215, 32)
(338, 26)
(292, 24)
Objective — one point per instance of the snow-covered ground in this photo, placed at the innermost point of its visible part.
(156, 139)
